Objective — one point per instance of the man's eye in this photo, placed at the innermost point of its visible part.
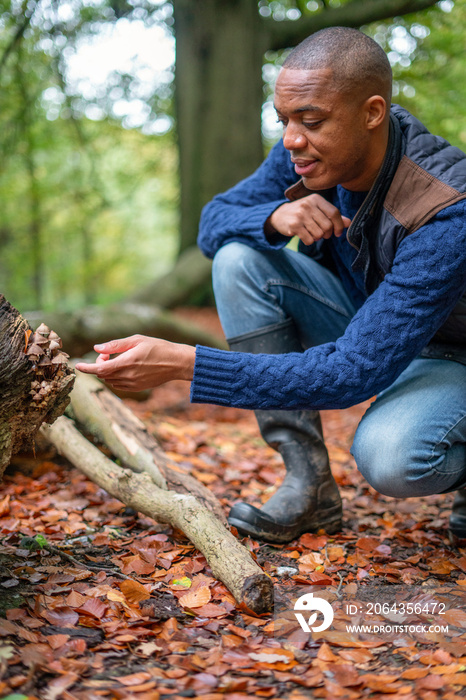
(281, 121)
(312, 125)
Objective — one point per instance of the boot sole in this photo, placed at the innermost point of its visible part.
(330, 526)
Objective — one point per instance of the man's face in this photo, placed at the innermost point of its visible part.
(324, 130)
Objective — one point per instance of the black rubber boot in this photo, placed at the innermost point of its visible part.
(308, 499)
(458, 515)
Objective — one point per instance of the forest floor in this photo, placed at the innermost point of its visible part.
(142, 617)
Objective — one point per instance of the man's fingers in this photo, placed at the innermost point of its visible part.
(87, 368)
(102, 358)
(101, 369)
(119, 345)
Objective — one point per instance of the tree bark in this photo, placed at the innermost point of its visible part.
(218, 99)
(230, 562)
(20, 415)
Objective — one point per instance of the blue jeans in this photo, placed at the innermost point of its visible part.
(412, 439)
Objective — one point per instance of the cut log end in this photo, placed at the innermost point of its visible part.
(257, 593)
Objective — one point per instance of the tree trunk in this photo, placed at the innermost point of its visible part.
(21, 415)
(218, 98)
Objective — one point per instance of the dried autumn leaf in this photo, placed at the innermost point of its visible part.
(93, 607)
(455, 617)
(27, 335)
(368, 544)
(62, 616)
(5, 506)
(134, 591)
(134, 678)
(273, 656)
(196, 599)
(431, 682)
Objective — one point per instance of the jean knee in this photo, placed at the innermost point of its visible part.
(387, 460)
(235, 267)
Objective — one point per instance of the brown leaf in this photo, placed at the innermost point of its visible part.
(455, 617)
(134, 678)
(368, 544)
(196, 599)
(5, 505)
(412, 674)
(310, 541)
(431, 682)
(75, 599)
(345, 675)
(326, 654)
(134, 591)
(93, 607)
(62, 616)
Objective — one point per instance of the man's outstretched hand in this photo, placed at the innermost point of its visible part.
(141, 362)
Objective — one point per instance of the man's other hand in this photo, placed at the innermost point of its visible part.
(310, 218)
(141, 362)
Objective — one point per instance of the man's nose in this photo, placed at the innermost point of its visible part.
(293, 137)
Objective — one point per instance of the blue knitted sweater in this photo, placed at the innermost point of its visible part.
(389, 330)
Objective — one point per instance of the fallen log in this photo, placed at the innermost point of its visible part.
(32, 391)
(99, 412)
(229, 560)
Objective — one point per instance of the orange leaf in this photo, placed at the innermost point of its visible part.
(368, 544)
(313, 541)
(326, 654)
(431, 682)
(134, 678)
(134, 591)
(196, 599)
(93, 607)
(455, 617)
(412, 674)
(27, 335)
(75, 599)
(5, 505)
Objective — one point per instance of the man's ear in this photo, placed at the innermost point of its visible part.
(376, 111)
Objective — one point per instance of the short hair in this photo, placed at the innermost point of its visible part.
(357, 61)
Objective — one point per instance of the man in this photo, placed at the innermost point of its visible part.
(378, 205)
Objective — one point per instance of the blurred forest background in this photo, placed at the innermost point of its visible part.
(108, 153)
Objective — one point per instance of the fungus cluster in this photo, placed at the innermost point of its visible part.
(43, 350)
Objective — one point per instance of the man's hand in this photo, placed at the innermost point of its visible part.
(310, 218)
(141, 362)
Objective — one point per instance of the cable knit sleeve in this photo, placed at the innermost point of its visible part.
(240, 213)
(427, 279)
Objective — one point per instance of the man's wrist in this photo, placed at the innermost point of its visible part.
(187, 360)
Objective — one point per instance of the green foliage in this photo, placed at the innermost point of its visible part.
(429, 73)
(88, 208)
